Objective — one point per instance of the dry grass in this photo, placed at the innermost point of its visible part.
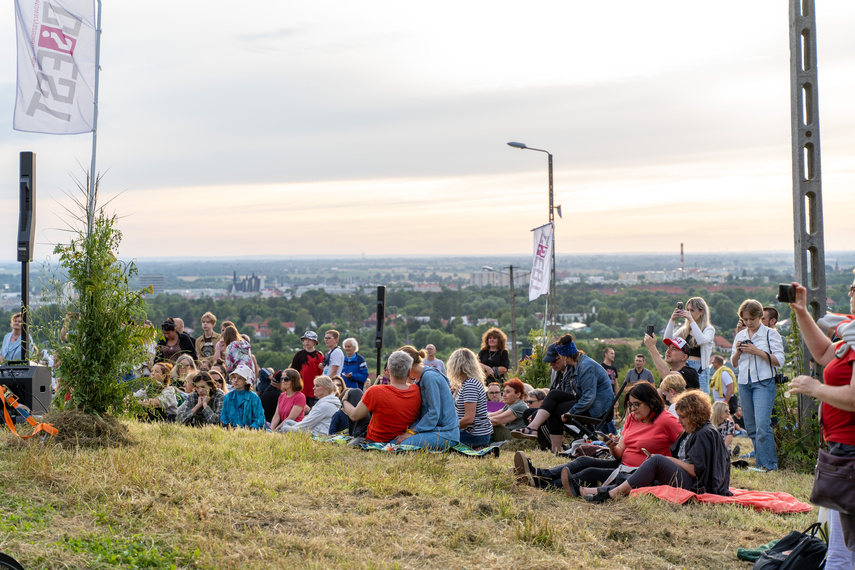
(214, 498)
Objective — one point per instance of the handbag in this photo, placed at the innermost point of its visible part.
(834, 483)
(801, 550)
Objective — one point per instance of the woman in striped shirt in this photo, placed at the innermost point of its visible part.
(470, 398)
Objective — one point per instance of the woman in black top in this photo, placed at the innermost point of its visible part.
(494, 356)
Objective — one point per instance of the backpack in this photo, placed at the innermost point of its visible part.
(798, 550)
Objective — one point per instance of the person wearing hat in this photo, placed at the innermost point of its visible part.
(307, 362)
(242, 407)
(676, 358)
(585, 390)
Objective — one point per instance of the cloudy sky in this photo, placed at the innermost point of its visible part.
(380, 127)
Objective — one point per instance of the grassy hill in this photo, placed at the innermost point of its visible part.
(215, 498)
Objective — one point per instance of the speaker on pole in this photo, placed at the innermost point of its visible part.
(381, 321)
(27, 204)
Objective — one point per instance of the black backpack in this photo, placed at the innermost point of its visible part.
(799, 550)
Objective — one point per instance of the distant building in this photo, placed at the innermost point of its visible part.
(156, 280)
(253, 284)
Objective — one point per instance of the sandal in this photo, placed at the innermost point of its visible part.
(524, 433)
(571, 486)
(601, 497)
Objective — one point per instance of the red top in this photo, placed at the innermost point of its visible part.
(392, 410)
(309, 371)
(656, 437)
(837, 425)
(286, 403)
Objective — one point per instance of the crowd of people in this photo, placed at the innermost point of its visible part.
(678, 433)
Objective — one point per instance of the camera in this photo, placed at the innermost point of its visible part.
(780, 378)
(786, 293)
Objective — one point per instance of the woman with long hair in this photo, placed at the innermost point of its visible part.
(470, 400)
(699, 335)
(204, 404)
(238, 351)
(494, 356)
(183, 373)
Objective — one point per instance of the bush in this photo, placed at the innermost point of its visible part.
(533, 370)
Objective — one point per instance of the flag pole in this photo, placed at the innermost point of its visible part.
(92, 175)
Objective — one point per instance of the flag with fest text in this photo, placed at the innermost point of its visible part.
(541, 265)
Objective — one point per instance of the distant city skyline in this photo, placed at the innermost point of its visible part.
(380, 128)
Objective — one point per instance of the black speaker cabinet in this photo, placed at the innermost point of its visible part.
(31, 384)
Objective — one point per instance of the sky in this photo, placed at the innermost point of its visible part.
(380, 128)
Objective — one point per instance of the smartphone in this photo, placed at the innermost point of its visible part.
(647, 453)
(786, 293)
(602, 436)
(650, 330)
(680, 306)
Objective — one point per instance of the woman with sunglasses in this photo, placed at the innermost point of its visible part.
(204, 404)
(183, 373)
(292, 402)
(649, 428)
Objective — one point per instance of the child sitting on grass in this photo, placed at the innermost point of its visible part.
(242, 407)
(164, 405)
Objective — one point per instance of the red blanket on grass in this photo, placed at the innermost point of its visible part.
(777, 502)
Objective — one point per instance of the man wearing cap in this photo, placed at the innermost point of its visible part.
(307, 362)
(675, 360)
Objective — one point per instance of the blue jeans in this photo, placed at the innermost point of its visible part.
(474, 441)
(430, 440)
(757, 399)
(703, 375)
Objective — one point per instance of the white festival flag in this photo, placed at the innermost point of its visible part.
(542, 262)
(56, 66)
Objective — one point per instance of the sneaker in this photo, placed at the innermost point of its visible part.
(523, 469)
(736, 450)
(749, 455)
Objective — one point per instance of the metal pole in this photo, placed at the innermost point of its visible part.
(551, 221)
(513, 318)
(92, 173)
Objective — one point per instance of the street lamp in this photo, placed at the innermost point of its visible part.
(522, 146)
(510, 274)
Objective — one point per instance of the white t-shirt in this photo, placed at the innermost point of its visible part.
(336, 358)
(726, 380)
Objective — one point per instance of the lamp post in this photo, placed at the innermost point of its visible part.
(510, 274)
(522, 146)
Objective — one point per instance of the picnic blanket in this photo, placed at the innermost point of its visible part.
(776, 502)
(463, 449)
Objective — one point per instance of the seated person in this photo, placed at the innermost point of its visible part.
(585, 390)
(242, 406)
(470, 400)
(437, 426)
(291, 402)
(672, 386)
(699, 461)
(648, 427)
(204, 404)
(317, 421)
(510, 416)
(161, 398)
(394, 406)
(722, 422)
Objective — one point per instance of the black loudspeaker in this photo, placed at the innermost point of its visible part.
(31, 384)
(26, 233)
(381, 316)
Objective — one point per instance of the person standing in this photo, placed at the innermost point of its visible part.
(354, 369)
(308, 363)
(608, 362)
(639, 373)
(173, 345)
(494, 356)
(334, 360)
(699, 335)
(722, 384)
(208, 339)
(432, 361)
(12, 341)
(837, 395)
(757, 352)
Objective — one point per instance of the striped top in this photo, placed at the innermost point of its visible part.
(472, 390)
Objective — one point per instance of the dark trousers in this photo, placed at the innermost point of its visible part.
(588, 471)
(659, 470)
(359, 428)
(557, 403)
